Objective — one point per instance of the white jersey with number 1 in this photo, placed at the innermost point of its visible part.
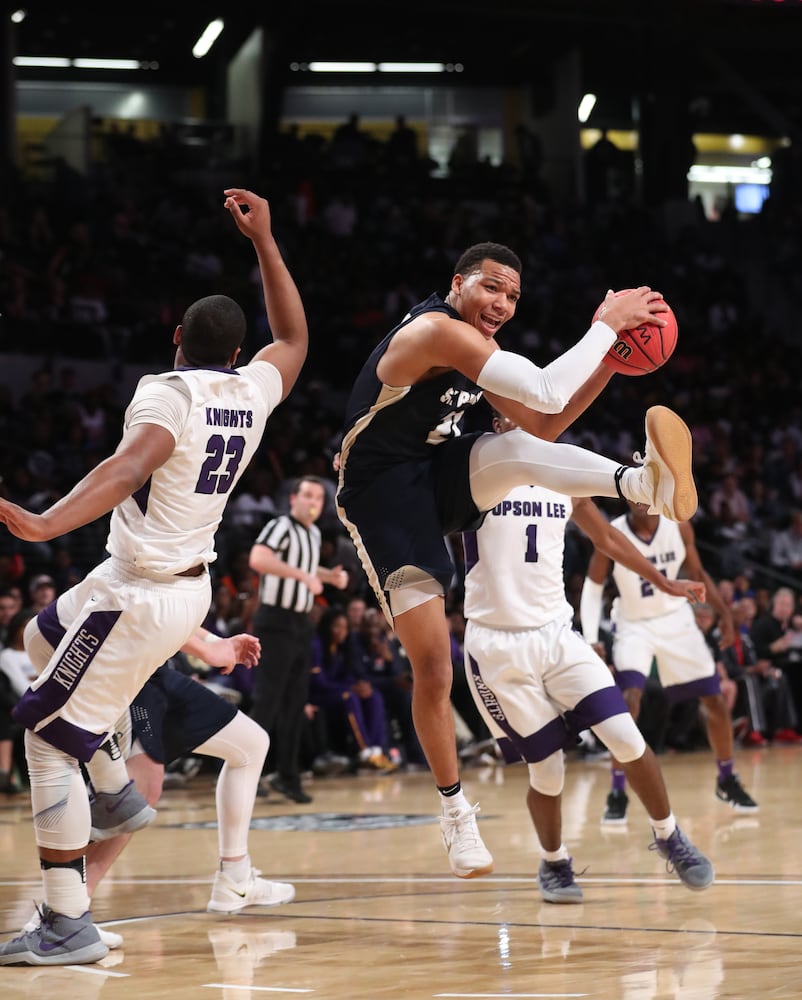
(535, 680)
(514, 561)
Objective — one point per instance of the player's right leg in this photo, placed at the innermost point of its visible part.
(64, 933)
(397, 529)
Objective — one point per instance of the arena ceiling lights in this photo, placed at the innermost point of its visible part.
(376, 67)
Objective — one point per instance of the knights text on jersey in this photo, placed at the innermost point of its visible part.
(638, 598)
(217, 417)
(387, 425)
(514, 561)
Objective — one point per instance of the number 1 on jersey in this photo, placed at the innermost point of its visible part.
(531, 543)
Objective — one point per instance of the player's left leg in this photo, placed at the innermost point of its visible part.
(664, 480)
(242, 744)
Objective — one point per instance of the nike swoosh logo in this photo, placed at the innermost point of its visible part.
(242, 895)
(52, 945)
(116, 805)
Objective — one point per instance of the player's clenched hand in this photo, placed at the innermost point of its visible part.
(256, 220)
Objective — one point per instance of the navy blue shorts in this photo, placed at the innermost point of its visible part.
(402, 516)
(173, 714)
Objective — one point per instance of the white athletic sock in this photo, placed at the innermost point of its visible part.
(561, 854)
(238, 871)
(454, 801)
(65, 891)
(637, 484)
(663, 828)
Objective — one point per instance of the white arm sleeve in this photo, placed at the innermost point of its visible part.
(548, 389)
(590, 606)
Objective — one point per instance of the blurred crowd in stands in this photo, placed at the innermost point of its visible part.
(102, 267)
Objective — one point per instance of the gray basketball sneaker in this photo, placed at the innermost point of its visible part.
(687, 861)
(58, 940)
(556, 882)
(125, 811)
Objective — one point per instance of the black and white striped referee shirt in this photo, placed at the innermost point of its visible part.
(297, 546)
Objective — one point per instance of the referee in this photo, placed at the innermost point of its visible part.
(286, 556)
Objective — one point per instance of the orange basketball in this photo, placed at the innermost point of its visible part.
(643, 349)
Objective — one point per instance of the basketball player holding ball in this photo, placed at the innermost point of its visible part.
(408, 476)
(643, 348)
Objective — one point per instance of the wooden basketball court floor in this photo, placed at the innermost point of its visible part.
(377, 913)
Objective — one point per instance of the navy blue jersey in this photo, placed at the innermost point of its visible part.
(387, 426)
(405, 470)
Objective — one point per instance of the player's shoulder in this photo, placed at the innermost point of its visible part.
(263, 373)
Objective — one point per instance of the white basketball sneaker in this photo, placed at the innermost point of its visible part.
(229, 896)
(467, 854)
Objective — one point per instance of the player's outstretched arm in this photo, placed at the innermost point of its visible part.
(614, 544)
(285, 311)
(694, 568)
(142, 450)
(223, 652)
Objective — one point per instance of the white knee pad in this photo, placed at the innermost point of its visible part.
(621, 736)
(240, 743)
(548, 776)
(57, 789)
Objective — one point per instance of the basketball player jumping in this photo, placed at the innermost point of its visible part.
(408, 477)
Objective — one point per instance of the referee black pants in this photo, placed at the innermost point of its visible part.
(281, 685)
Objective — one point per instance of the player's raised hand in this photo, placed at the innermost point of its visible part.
(257, 217)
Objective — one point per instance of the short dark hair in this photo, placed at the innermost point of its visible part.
(212, 328)
(473, 257)
(307, 479)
